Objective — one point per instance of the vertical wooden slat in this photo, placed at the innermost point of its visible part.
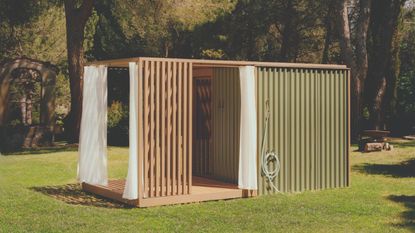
(140, 131)
(146, 126)
(184, 128)
(190, 135)
(169, 125)
(152, 128)
(174, 133)
(179, 129)
(163, 129)
(157, 112)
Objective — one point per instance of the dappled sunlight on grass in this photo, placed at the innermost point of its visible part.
(408, 216)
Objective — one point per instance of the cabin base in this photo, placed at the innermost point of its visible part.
(203, 189)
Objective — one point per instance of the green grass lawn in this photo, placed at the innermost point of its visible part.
(38, 193)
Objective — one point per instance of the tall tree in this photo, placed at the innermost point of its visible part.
(329, 26)
(77, 15)
(290, 33)
(384, 60)
(355, 58)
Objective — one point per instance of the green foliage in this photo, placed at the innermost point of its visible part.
(212, 53)
(63, 97)
(118, 116)
(131, 28)
(116, 112)
(90, 30)
(34, 29)
(19, 12)
(257, 30)
(37, 29)
(38, 35)
(406, 84)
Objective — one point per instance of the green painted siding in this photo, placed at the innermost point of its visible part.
(226, 123)
(307, 127)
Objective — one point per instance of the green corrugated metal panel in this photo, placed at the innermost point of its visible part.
(307, 127)
(225, 121)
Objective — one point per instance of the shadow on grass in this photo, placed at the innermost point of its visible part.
(400, 170)
(74, 195)
(406, 144)
(43, 150)
(408, 216)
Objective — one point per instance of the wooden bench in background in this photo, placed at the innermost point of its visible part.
(374, 140)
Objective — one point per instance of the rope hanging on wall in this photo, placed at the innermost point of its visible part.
(269, 155)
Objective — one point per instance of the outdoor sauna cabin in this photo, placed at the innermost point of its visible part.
(208, 130)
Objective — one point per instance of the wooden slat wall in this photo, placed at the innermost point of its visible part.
(166, 127)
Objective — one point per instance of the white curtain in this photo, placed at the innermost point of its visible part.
(248, 130)
(131, 185)
(92, 163)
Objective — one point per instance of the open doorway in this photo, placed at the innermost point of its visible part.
(118, 106)
(216, 123)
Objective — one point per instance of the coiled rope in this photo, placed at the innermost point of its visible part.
(269, 156)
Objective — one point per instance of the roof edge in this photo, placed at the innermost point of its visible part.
(123, 62)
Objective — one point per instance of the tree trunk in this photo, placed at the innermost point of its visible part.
(358, 63)
(362, 63)
(290, 40)
(382, 68)
(76, 19)
(329, 31)
(389, 104)
(327, 43)
(342, 20)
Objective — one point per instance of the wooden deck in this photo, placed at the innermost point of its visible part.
(203, 189)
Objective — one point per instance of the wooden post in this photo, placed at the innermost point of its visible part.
(140, 131)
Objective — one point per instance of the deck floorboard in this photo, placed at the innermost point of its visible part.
(203, 189)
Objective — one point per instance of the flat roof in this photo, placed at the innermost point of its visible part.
(215, 63)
